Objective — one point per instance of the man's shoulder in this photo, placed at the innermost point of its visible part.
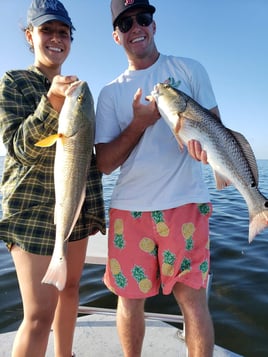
(180, 60)
(111, 86)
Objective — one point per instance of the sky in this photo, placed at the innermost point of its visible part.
(229, 37)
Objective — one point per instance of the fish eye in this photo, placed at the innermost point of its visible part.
(80, 98)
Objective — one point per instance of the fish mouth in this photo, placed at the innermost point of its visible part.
(72, 87)
(155, 90)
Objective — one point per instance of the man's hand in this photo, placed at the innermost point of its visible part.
(196, 152)
(145, 115)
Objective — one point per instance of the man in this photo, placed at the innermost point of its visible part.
(160, 206)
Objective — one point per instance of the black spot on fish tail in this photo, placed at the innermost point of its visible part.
(266, 204)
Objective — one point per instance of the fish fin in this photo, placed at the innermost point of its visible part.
(48, 141)
(257, 224)
(195, 118)
(56, 273)
(177, 127)
(176, 131)
(221, 181)
(248, 152)
(180, 142)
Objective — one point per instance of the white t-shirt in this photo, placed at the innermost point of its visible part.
(157, 175)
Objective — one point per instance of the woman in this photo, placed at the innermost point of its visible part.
(30, 103)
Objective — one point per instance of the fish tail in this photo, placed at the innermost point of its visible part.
(56, 273)
(257, 224)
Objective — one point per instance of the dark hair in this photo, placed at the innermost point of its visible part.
(30, 28)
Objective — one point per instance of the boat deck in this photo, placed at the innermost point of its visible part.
(96, 334)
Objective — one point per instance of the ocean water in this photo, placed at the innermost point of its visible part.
(239, 292)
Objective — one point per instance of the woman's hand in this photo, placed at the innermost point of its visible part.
(56, 94)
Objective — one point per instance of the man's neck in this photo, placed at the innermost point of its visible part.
(143, 63)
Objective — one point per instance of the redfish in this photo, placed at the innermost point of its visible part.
(228, 152)
(74, 144)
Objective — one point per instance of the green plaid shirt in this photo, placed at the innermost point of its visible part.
(26, 116)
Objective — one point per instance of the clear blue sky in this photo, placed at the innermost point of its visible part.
(228, 37)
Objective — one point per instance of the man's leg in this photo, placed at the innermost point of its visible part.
(199, 332)
(131, 325)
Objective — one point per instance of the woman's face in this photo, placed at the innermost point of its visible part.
(51, 43)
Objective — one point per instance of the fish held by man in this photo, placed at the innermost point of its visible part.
(74, 143)
(228, 152)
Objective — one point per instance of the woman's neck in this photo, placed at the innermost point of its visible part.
(49, 72)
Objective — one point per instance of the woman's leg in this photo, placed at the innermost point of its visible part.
(39, 302)
(66, 311)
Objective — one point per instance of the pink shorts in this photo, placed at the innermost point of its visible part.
(147, 250)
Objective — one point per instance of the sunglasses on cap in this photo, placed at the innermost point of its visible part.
(143, 19)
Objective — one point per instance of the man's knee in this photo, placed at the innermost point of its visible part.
(128, 307)
(189, 297)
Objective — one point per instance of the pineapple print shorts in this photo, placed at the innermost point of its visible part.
(147, 250)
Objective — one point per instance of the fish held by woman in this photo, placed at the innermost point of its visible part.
(74, 143)
(228, 152)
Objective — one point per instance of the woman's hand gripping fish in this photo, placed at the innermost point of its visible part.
(228, 152)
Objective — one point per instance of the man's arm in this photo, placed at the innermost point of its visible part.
(113, 154)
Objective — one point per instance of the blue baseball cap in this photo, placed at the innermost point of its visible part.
(42, 11)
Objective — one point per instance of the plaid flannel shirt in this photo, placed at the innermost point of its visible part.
(26, 116)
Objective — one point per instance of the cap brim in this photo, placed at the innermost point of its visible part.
(149, 8)
(51, 17)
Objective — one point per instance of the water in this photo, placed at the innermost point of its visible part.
(239, 291)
